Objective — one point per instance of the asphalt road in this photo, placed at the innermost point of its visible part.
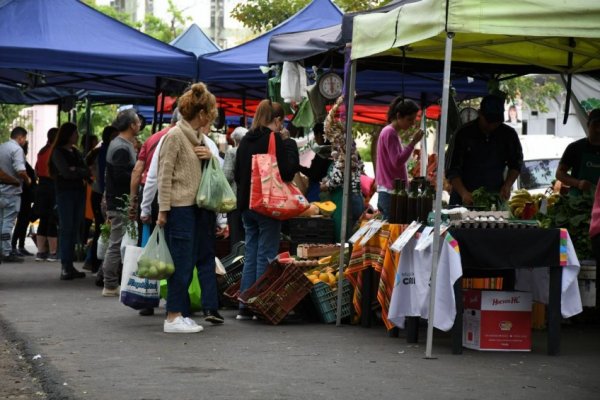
(83, 346)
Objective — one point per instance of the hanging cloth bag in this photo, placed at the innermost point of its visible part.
(269, 194)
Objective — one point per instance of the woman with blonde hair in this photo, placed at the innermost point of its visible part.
(190, 230)
(262, 232)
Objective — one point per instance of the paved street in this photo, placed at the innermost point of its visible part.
(89, 347)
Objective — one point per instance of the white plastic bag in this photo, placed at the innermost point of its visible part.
(127, 240)
(137, 292)
(101, 248)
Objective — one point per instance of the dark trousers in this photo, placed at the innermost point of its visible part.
(98, 221)
(71, 205)
(23, 219)
(190, 235)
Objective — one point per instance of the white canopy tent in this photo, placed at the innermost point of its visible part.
(547, 35)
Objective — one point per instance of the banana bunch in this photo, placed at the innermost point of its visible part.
(518, 200)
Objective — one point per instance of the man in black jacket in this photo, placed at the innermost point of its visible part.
(120, 160)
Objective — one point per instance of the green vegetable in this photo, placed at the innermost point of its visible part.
(573, 213)
(483, 200)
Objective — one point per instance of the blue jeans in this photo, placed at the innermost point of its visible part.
(190, 235)
(262, 245)
(384, 202)
(9, 209)
(70, 205)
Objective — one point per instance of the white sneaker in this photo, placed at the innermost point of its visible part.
(191, 322)
(180, 325)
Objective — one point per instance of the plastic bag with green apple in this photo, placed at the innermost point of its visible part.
(155, 262)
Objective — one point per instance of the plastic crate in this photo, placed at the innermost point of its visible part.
(271, 274)
(325, 300)
(274, 303)
(234, 273)
(233, 291)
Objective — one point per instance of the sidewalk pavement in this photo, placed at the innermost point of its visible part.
(84, 346)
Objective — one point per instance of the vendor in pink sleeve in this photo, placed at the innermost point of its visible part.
(595, 222)
(391, 155)
(595, 235)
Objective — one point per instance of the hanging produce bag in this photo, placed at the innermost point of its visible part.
(215, 193)
(269, 194)
(155, 262)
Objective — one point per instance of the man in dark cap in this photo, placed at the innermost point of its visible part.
(484, 153)
(579, 166)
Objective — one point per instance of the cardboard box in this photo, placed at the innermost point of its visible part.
(497, 320)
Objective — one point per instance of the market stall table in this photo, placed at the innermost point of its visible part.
(487, 249)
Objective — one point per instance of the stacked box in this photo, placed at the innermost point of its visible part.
(497, 320)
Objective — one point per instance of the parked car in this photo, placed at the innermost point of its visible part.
(541, 155)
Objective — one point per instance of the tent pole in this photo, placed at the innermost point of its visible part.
(424, 154)
(88, 124)
(438, 192)
(347, 181)
(162, 111)
(155, 113)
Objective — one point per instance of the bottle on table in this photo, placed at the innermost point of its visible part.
(402, 204)
(413, 199)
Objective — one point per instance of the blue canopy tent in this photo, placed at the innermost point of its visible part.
(39, 50)
(236, 73)
(194, 40)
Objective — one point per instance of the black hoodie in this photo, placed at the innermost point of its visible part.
(256, 141)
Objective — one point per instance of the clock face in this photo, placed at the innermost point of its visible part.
(468, 114)
(331, 85)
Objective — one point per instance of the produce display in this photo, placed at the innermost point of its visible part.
(484, 200)
(524, 205)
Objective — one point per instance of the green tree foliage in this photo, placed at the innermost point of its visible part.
(262, 15)
(8, 114)
(533, 90)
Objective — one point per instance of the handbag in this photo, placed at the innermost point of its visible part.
(269, 194)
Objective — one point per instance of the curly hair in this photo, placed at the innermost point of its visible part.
(198, 99)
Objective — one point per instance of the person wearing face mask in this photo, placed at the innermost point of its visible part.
(391, 154)
(262, 232)
(481, 152)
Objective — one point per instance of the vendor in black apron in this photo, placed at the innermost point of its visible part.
(481, 152)
(579, 166)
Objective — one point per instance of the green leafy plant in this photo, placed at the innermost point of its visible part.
(130, 226)
(484, 200)
(105, 231)
(573, 213)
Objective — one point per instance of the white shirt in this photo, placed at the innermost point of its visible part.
(151, 186)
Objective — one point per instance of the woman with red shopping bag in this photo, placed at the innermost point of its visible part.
(262, 232)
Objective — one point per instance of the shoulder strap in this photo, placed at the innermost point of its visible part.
(272, 146)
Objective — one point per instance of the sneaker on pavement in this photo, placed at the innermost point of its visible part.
(12, 258)
(244, 315)
(146, 312)
(180, 325)
(52, 257)
(87, 267)
(106, 292)
(41, 256)
(191, 322)
(213, 317)
(24, 253)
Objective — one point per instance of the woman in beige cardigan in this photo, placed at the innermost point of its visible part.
(190, 230)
